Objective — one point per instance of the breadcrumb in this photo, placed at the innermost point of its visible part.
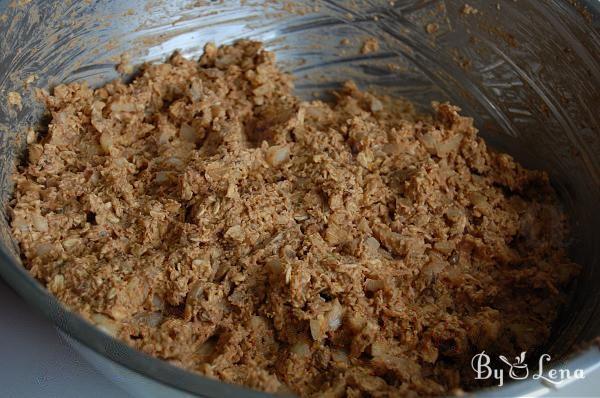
(30, 79)
(14, 100)
(124, 66)
(432, 28)
(370, 45)
(469, 10)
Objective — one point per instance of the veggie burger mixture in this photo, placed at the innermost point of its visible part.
(206, 216)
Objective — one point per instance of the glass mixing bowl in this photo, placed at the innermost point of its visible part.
(527, 70)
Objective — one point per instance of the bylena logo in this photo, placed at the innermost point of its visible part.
(519, 370)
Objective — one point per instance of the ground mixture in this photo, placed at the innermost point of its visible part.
(206, 216)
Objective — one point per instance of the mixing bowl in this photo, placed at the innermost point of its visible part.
(527, 70)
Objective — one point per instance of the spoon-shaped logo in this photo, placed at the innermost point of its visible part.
(517, 370)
